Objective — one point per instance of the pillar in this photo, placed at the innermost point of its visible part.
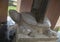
(24, 5)
(53, 11)
(3, 10)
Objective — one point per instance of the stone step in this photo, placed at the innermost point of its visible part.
(42, 38)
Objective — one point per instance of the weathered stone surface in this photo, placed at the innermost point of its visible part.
(40, 38)
(28, 18)
(15, 16)
(24, 29)
(30, 22)
(29, 30)
(30, 26)
(23, 36)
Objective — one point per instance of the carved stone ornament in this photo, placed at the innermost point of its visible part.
(28, 29)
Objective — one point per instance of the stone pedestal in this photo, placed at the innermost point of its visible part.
(31, 31)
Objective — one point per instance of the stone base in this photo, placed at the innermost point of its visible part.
(41, 38)
(30, 40)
